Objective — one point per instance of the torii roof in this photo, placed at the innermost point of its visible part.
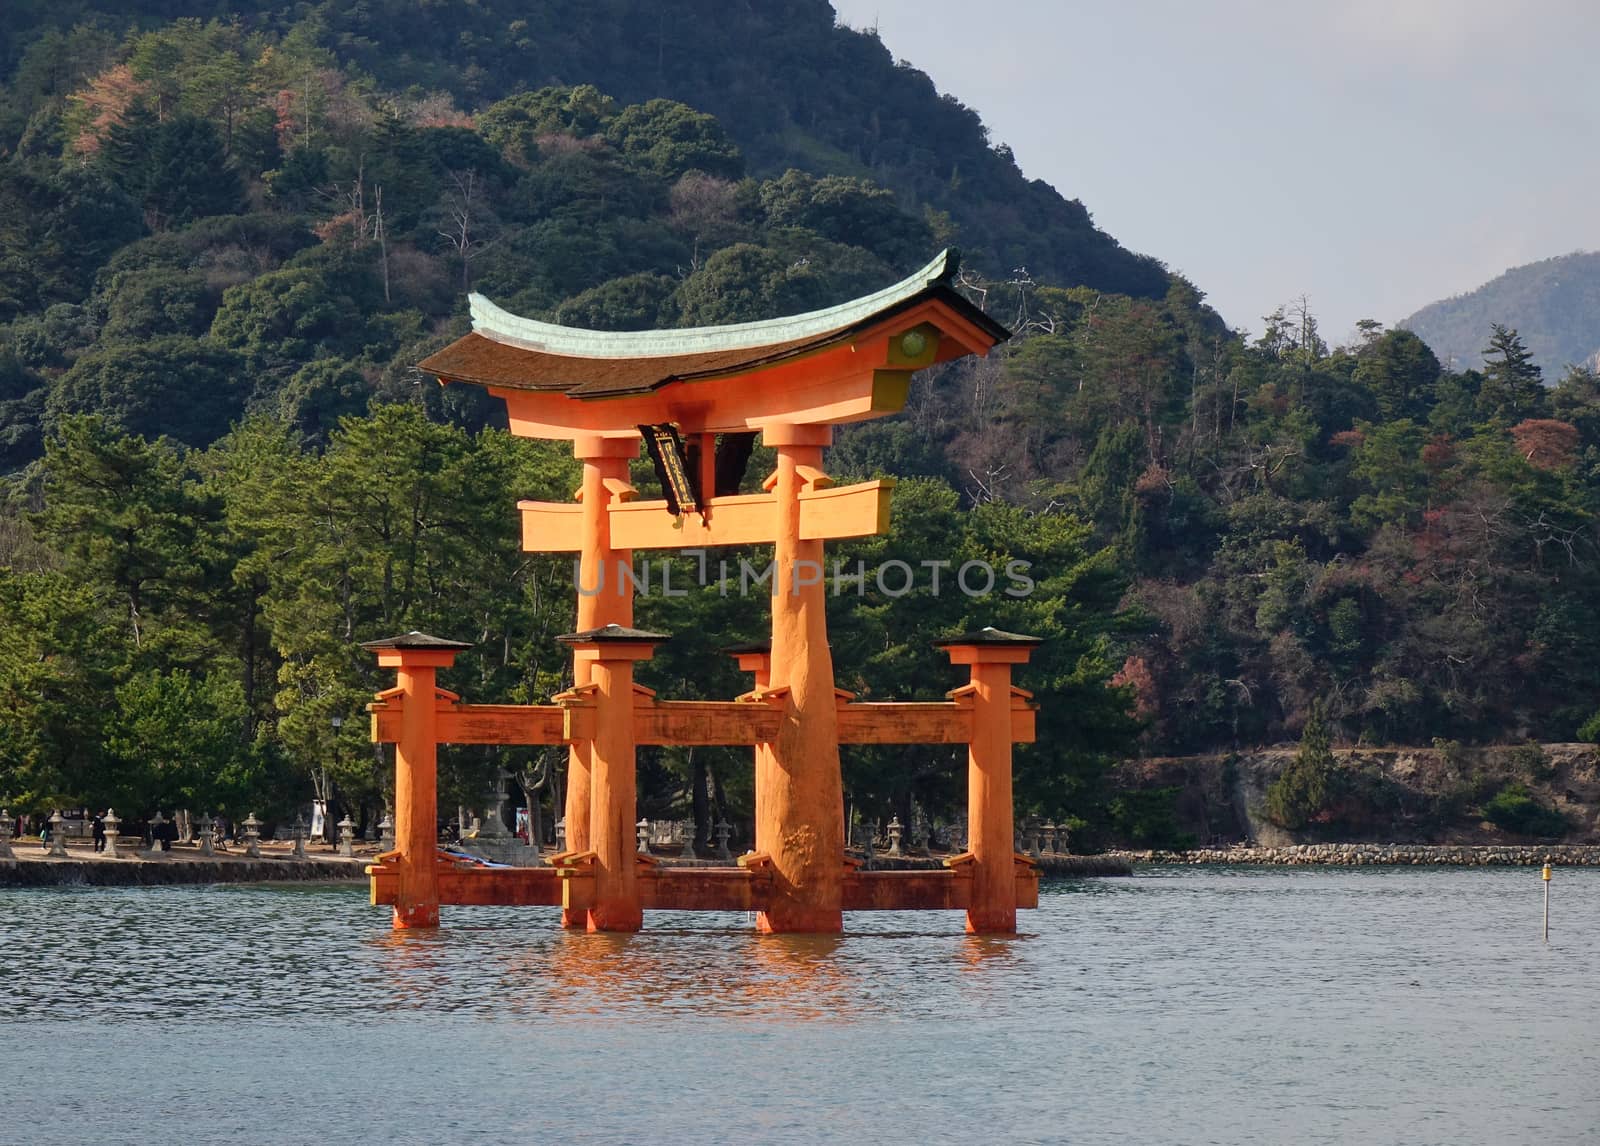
(505, 350)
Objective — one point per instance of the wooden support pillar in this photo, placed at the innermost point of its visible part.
(416, 657)
(604, 598)
(990, 810)
(756, 658)
(799, 793)
(611, 652)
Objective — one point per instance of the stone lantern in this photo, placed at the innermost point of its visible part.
(347, 837)
(58, 837)
(252, 836)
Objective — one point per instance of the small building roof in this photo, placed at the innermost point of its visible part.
(988, 635)
(414, 640)
(506, 350)
(613, 634)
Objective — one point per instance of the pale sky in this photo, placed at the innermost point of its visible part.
(1374, 155)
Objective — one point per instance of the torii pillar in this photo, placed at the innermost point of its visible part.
(799, 792)
(604, 598)
(416, 657)
(990, 812)
(610, 653)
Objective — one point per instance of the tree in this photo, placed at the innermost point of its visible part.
(116, 506)
(671, 138)
(1305, 789)
(181, 739)
(59, 657)
(636, 302)
(1512, 388)
(746, 282)
(1400, 371)
(187, 388)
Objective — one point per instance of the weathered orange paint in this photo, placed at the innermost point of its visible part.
(799, 792)
(695, 889)
(605, 476)
(613, 785)
(416, 801)
(798, 878)
(681, 722)
(990, 812)
(830, 513)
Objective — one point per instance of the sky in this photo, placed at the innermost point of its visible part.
(1372, 155)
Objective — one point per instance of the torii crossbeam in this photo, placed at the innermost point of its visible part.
(791, 380)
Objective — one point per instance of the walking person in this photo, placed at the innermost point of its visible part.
(97, 828)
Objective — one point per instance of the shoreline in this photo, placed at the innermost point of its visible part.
(183, 865)
(1377, 855)
(176, 867)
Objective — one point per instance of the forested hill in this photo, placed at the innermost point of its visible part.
(1554, 304)
(791, 88)
(225, 244)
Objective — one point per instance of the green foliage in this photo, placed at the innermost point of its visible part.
(1255, 521)
(183, 740)
(743, 282)
(187, 388)
(1306, 789)
(1400, 371)
(846, 210)
(1530, 762)
(1512, 387)
(671, 138)
(633, 302)
(1516, 811)
(1147, 818)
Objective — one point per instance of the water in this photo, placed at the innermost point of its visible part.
(1179, 1006)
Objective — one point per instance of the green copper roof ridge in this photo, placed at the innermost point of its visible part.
(502, 326)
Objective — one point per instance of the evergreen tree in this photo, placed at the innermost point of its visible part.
(1513, 388)
(1306, 787)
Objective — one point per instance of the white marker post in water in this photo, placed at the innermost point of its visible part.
(1547, 903)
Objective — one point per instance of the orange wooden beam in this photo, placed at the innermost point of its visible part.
(683, 722)
(831, 513)
(696, 889)
(698, 722)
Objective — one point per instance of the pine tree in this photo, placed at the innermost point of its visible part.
(1306, 787)
(1513, 388)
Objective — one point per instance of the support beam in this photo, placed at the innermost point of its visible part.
(682, 722)
(605, 477)
(417, 657)
(826, 514)
(990, 810)
(799, 794)
(611, 653)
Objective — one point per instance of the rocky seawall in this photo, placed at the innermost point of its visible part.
(1361, 855)
(1431, 796)
(150, 873)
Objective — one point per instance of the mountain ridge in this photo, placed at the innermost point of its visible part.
(1553, 303)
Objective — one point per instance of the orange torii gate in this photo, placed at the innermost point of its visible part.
(791, 380)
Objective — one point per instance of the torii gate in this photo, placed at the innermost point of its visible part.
(790, 379)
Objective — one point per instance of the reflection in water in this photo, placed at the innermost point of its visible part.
(721, 972)
(980, 952)
(1126, 1009)
(413, 968)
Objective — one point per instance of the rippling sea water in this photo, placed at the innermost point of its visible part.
(1245, 1005)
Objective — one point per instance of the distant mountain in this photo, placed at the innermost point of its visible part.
(1555, 304)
